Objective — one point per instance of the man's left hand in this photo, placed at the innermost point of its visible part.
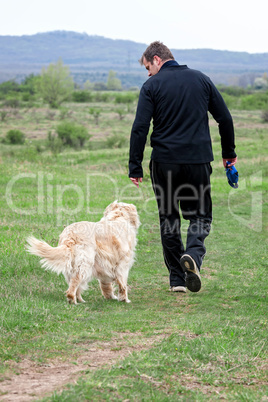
(231, 160)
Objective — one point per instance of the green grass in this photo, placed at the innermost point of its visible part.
(209, 345)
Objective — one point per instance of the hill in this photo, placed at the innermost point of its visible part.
(91, 57)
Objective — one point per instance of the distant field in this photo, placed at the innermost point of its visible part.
(194, 347)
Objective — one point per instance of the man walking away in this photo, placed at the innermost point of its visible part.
(178, 100)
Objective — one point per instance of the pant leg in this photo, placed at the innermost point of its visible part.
(164, 180)
(196, 206)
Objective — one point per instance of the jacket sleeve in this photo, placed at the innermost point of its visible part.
(139, 132)
(221, 114)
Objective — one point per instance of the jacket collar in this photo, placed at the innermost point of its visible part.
(169, 63)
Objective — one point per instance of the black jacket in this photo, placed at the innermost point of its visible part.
(178, 99)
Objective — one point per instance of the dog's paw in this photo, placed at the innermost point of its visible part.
(80, 300)
(128, 301)
(71, 300)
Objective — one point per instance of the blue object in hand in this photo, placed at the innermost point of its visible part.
(232, 175)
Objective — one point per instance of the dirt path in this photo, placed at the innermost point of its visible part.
(35, 380)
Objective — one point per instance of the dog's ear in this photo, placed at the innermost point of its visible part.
(132, 207)
(111, 207)
(135, 220)
(133, 215)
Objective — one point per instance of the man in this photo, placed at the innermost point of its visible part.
(178, 100)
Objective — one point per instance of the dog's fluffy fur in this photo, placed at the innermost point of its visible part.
(86, 250)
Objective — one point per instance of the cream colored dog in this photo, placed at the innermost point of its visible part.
(86, 250)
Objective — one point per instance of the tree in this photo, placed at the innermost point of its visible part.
(99, 86)
(55, 84)
(8, 87)
(96, 114)
(261, 83)
(29, 84)
(113, 83)
(88, 86)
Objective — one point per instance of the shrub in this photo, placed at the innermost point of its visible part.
(72, 134)
(50, 115)
(258, 100)
(231, 101)
(116, 141)
(27, 97)
(128, 97)
(82, 96)
(15, 137)
(54, 143)
(232, 90)
(3, 115)
(12, 101)
(102, 96)
(121, 113)
(64, 112)
(264, 116)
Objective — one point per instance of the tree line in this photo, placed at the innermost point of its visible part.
(55, 85)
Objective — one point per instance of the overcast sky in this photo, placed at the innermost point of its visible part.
(237, 25)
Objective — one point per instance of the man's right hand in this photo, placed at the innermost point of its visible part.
(136, 180)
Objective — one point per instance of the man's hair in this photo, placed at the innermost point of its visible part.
(156, 49)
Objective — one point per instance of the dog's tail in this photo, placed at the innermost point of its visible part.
(53, 258)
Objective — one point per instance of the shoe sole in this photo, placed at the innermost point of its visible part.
(193, 280)
(180, 289)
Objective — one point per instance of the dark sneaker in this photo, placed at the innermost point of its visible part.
(181, 289)
(193, 280)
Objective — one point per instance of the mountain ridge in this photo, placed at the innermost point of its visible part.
(92, 56)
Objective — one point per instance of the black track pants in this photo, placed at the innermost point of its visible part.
(186, 189)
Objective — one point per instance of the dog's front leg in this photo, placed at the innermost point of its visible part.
(79, 296)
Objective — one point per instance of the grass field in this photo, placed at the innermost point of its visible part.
(163, 346)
